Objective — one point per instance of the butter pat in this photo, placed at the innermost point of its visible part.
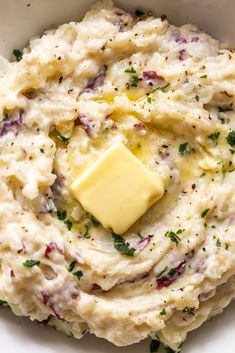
(117, 189)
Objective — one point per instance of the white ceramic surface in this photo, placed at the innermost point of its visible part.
(18, 23)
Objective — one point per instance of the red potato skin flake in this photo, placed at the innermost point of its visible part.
(167, 280)
(83, 120)
(12, 274)
(50, 247)
(195, 39)
(7, 125)
(95, 82)
(182, 55)
(46, 301)
(181, 40)
(152, 75)
(95, 286)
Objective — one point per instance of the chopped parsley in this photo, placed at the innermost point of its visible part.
(162, 272)
(231, 138)
(203, 76)
(174, 236)
(62, 137)
(172, 272)
(184, 148)
(218, 243)
(214, 137)
(61, 214)
(31, 263)
(189, 310)
(221, 119)
(71, 266)
(163, 312)
(161, 88)
(150, 100)
(130, 70)
(133, 82)
(94, 221)
(3, 302)
(86, 234)
(154, 346)
(204, 213)
(78, 274)
(69, 224)
(18, 54)
(122, 246)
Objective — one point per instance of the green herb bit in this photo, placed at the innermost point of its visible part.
(122, 246)
(61, 214)
(150, 100)
(130, 70)
(173, 237)
(218, 243)
(154, 346)
(184, 148)
(18, 54)
(161, 88)
(221, 109)
(94, 221)
(133, 82)
(231, 138)
(163, 312)
(78, 274)
(86, 234)
(221, 119)
(71, 266)
(3, 302)
(172, 272)
(214, 137)
(162, 272)
(204, 213)
(69, 224)
(31, 263)
(189, 310)
(62, 137)
(203, 76)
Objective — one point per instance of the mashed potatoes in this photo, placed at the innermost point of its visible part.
(167, 94)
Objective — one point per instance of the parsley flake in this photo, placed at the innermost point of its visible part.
(189, 310)
(163, 312)
(203, 76)
(231, 138)
(130, 70)
(71, 266)
(184, 148)
(78, 274)
(204, 213)
(122, 246)
(133, 82)
(61, 214)
(69, 224)
(18, 54)
(31, 263)
(3, 302)
(86, 234)
(173, 237)
(214, 137)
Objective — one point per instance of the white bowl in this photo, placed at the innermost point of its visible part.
(19, 21)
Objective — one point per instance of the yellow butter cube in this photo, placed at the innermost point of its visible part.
(117, 189)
